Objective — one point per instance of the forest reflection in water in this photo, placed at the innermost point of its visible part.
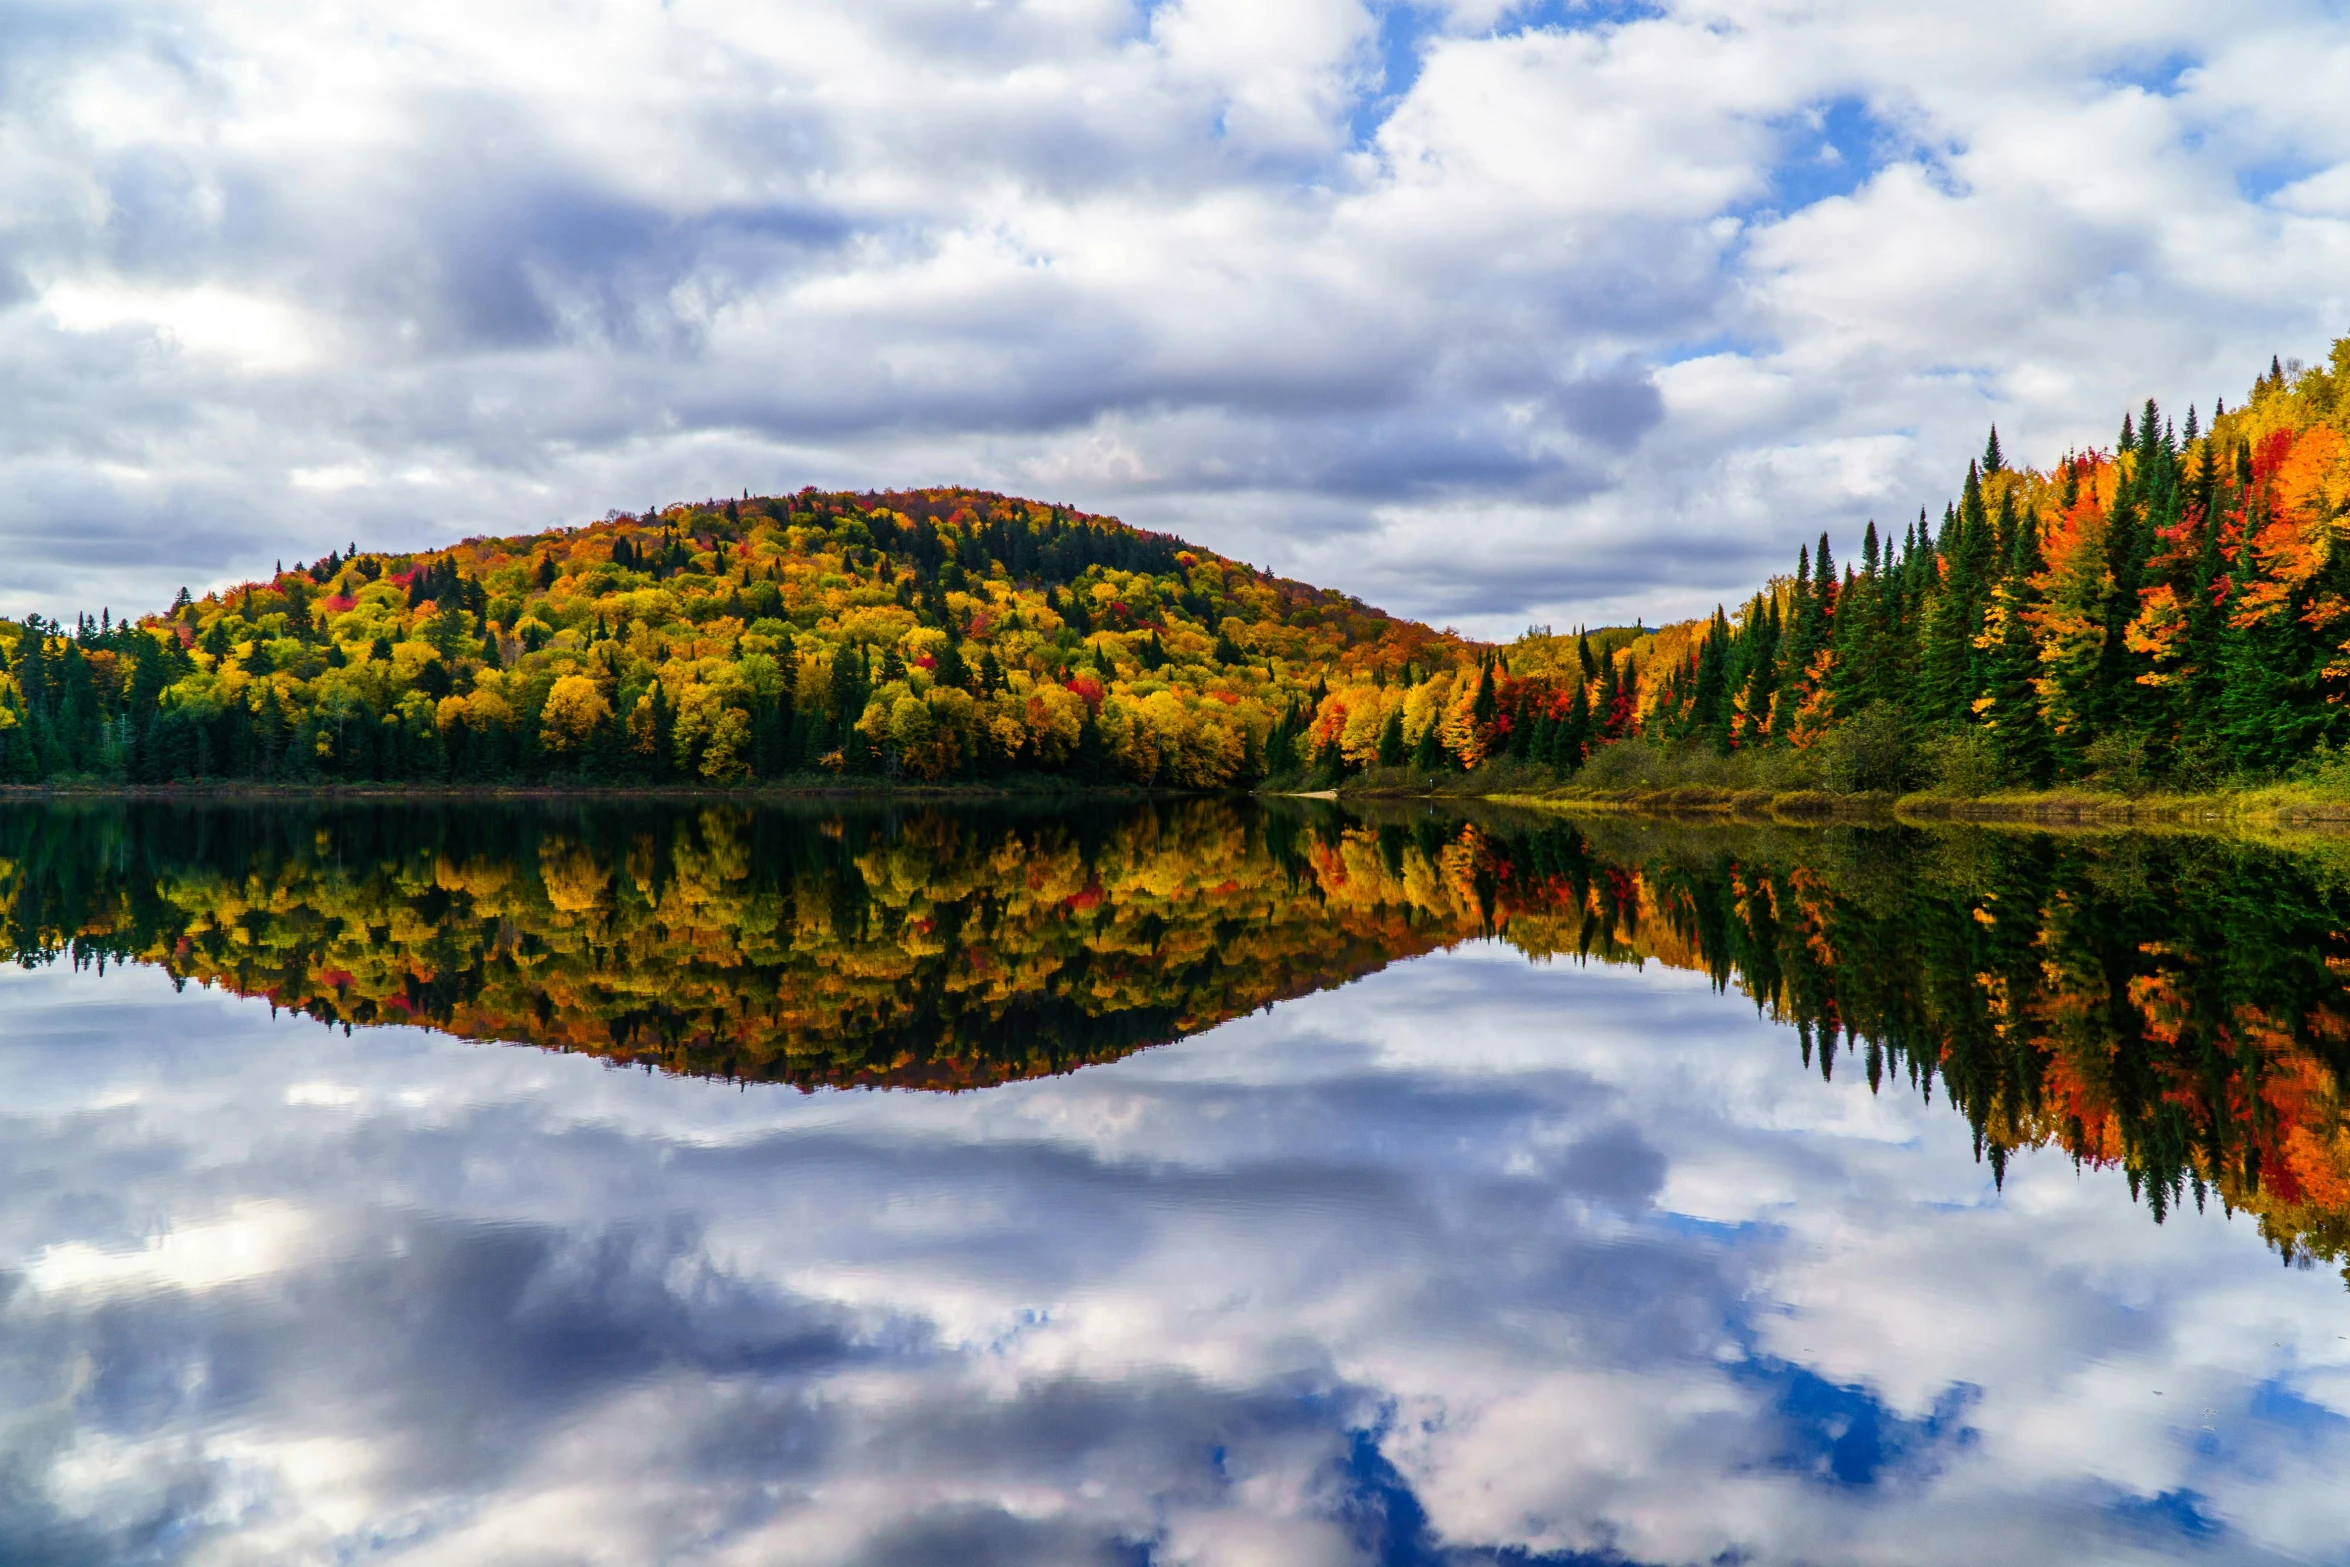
(2172, 1005)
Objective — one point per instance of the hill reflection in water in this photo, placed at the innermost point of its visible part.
(2173, 1006)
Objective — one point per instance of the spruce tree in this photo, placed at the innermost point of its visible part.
(1796, 647)
(2019, 730)
(1428, 752)
(1949, 670)
(2121, 703)
(1573, 744)
(1709, 704)
(2203, 596)
(1762, 679)
(1607, 715)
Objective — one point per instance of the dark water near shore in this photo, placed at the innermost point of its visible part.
(1164, 1184)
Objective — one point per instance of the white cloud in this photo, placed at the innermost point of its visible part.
(254, 334)
(1634, 305)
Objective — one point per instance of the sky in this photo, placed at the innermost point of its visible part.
(1490, 314)
(1470, 1258)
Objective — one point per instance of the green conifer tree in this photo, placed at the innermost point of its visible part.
(2019, 729)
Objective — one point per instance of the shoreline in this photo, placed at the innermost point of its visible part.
(2268, 807)
(257, 792)
(2280, 806)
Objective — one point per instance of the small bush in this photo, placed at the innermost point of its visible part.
(1628, 764)
(2198, 768)
(1647, 764)
(2118, 761)
(1963, 762)
(1804, 802)
(1869, 752)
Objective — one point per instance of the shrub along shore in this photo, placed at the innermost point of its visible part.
(2281, 805)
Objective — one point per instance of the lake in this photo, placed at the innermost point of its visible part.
(1201, 1182)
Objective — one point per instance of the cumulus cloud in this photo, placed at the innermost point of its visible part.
(1471, 1258)
(1486, 312)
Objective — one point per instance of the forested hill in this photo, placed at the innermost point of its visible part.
(2175, 609)
(931, 635)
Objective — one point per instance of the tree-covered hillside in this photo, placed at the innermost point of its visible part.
(2173, 610)
(932, 635)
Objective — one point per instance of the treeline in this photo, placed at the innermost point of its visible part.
(2175, 610)
(2172, 609)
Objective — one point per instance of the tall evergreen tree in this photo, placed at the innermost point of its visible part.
(1762, 680)
(2011, 704)
(1709, 703)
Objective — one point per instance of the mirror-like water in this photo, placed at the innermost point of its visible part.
(1506, 1190)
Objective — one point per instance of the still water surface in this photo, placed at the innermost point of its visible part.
(1173, 1185)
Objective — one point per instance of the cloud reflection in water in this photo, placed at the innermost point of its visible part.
(1473, 1261)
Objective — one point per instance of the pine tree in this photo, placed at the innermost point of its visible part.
(1428, 754)
(1800, 642)
(1573, 742)
(1709, 704)
(1762, 621)
(1609, 707)
(2011, 706)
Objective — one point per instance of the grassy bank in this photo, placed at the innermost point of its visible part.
(1680, 786)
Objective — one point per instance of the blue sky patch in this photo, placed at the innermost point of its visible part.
(1403, 30)
(1831, 149)
(2261, 180)
(1576, 16)
(2158, 74)
(1708, 347)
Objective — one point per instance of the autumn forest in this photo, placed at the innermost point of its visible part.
(2173, 610)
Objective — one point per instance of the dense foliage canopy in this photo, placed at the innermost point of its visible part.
(941, 634)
